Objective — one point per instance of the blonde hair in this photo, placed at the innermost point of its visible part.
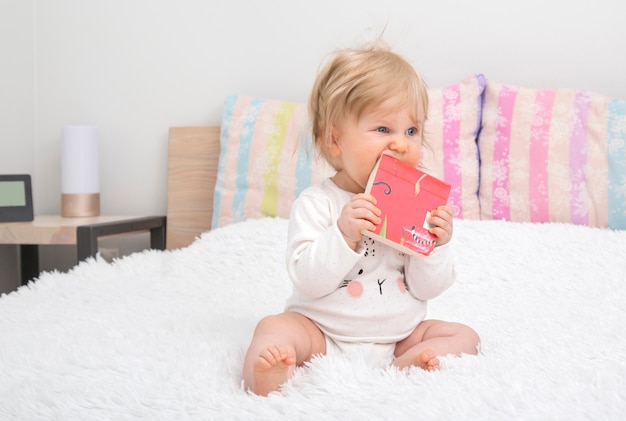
(355, 80)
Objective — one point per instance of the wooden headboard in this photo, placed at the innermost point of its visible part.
(193, 154)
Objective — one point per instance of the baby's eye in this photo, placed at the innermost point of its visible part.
(411, 132)
(382, 130)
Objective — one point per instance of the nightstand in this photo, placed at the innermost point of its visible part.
(82, 232)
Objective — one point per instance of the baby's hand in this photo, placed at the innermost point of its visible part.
(442, 221)
(358, 214)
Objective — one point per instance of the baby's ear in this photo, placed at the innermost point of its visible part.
(331, 143)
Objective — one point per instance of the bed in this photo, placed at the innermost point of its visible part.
(161, 334)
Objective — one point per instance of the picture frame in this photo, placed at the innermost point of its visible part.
(16, 198)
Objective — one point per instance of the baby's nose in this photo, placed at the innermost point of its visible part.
(398, 144)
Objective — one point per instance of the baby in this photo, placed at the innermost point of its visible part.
(348, 291)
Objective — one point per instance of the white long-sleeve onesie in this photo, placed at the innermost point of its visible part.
(375, 294)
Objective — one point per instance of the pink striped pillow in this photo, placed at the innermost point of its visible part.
(451, 130)
(265, 161)
(545, 156)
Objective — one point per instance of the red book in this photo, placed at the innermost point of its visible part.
(405, 196)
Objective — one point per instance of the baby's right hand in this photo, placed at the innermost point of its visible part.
(360, 213)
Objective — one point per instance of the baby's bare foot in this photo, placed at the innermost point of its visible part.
(273, 367)
(427, 360)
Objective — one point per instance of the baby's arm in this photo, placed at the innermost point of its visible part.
(318, 257)
(429, 276)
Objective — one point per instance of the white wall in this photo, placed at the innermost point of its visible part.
(137, 67)
(17, 108)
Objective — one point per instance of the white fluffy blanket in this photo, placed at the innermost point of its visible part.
(161, 334)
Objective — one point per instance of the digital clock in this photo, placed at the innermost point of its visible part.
(16, 198)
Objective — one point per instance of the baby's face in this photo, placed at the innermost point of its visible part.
(383, 129)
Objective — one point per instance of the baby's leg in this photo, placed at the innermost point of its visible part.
(432, 339)
(280, 343)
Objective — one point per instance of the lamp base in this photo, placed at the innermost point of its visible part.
(80, 205)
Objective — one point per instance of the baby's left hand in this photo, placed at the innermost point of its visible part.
(442, 221)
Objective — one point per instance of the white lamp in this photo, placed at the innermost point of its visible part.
(80, 173)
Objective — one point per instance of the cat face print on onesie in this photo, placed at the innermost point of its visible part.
(372, 277)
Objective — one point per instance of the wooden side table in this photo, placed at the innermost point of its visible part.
(83, 232)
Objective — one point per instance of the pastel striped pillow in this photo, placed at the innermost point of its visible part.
(451, 130)
(552, 155)
(265, 159)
